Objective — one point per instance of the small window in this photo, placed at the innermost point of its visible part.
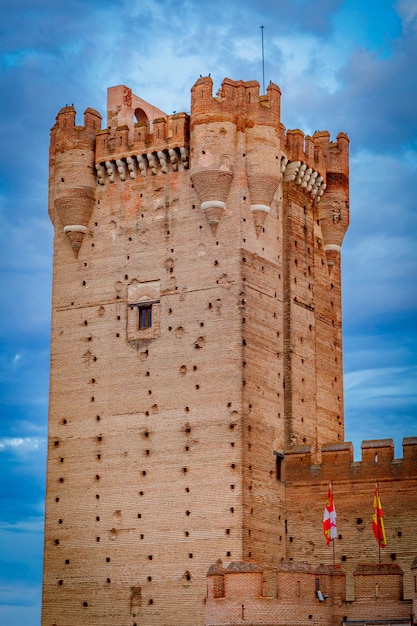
(143, 310)
(145, 316)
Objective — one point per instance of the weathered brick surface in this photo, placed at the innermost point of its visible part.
(167, 443)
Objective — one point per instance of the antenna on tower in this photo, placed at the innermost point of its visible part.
(263, 60)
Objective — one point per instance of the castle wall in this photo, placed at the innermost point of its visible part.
(353, 490)
(304, 595)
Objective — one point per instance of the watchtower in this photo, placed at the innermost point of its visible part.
(196, 337)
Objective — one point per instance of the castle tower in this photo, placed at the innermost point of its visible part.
(196, 339)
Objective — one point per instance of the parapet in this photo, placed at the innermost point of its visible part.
(339, 459)
(66, 118)
(243, 567)
(295, 567)
(66, 134)
(378, 581)
(303, 591)
(378, 451)
(140, 139)
(375, 569)
(237, 101)
(336, 152)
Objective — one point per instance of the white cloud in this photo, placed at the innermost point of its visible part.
(396, 385)
(21, 445)
(407, 9)
(30, 525)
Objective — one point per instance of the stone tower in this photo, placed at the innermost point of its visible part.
(196, 339)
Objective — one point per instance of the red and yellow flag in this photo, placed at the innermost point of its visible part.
(329, 518)
(378, 521)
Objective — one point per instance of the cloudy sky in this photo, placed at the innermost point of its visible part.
(343, 65)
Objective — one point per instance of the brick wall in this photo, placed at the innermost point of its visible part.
(303, 595)
(353, 490)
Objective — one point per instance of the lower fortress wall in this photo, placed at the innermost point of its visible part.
(305, 595)
(363, 583)
(353, 486)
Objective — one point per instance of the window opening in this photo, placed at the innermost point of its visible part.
(145, 316)
(278, 465)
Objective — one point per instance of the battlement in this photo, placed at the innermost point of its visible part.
(140, 138)
(377, 461)
(65, 124)
(336, 152)
(162, 138)
(236, 101)
(302, 593)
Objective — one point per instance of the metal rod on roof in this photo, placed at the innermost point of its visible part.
(263, 61)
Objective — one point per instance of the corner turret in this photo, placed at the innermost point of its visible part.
(215, 122)
(334, 208)
(213, 132)
(263, 151)
(72, 172)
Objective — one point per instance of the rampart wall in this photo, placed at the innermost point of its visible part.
(353, 490)
(304, 595)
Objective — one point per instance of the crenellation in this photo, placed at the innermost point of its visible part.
(340, 454)
(65, 128)
(295, 145)
(410, 450)
(236, 101)
(92, 119)
(142, 135)
(339, 155)
(377, 451)
(66, 117)
(306, 594)
(315, 155)
(377, 459)
(151, 151)
(159, 129)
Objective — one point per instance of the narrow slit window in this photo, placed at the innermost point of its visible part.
(278, 465)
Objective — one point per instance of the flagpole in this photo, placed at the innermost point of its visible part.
(263, 61)
(379, 528)
(334, 558)
(378, 522)
(329, 521)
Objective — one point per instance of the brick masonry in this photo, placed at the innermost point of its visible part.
(196, 356)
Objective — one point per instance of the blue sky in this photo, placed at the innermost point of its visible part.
(343, 65)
